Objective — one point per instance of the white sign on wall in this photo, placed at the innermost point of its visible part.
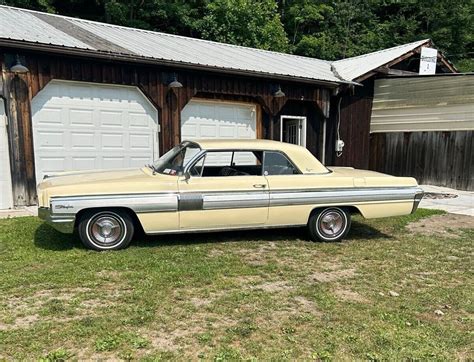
(428, 61)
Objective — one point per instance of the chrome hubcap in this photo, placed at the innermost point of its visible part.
(106, 229)
(331, 223)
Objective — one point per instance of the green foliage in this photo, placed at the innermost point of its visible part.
(244, 22)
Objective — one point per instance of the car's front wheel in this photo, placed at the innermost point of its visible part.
(329, 224)
(106, 230)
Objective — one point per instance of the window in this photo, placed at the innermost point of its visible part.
(228, 163)
(174, 161)
(275, 163)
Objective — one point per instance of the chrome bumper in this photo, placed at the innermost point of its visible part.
(62, 223)
(418, 196)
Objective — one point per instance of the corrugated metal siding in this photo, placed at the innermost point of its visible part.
(442, 103)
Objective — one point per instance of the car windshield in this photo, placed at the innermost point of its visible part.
(174, 161)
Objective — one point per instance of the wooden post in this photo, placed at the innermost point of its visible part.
(20, 138)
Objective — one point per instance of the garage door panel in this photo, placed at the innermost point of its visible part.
(111, 119)
(114, 162)
(52, 163)
(51, 117)
(138, 120)
(81, 117)
(83, 141)
(207, 119)
(226, 131)
(92, 126)
(50, 139)
(84, 163)
(110, 141)
(141, 141)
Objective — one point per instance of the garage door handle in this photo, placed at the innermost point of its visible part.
(259, 186)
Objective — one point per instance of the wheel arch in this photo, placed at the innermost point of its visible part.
(353, 210)
(129, 211)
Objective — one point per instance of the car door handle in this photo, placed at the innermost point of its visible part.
(259, 186)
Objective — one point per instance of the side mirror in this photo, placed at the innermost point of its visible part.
(187, 175)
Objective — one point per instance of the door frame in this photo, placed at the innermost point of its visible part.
(303, 128)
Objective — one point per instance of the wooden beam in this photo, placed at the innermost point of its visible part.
(389, 71)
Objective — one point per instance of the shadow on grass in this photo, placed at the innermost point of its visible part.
(361, 231)
(48, 238)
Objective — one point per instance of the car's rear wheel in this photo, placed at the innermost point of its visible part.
(106, 230)
(329, 224)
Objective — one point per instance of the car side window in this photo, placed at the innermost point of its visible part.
(276, 163)
(229, 163)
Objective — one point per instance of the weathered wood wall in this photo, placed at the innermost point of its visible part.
(354, 130)
(436, 158)
(355, 111)
(153, 82)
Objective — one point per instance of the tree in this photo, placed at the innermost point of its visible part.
(244, 22)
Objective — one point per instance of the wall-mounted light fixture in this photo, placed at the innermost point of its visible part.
(279, 93)
(174, 83)
(19, 68)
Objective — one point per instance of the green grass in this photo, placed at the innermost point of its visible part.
(227, 296)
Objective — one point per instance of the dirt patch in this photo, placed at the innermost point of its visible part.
(447, 225)
(64, 305)
(331, 276)
(305, 305)
(273, 287)
(349, 295)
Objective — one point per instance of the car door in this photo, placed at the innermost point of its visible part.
(286, 184)
(212, 197)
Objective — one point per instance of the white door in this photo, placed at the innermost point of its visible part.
(78, 126)
(214, 119)
(293, 130)
(6, 197)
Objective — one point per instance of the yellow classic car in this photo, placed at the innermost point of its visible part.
(211, 185)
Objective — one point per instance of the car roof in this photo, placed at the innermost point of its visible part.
(299, 155)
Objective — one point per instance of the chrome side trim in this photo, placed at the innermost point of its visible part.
(172, 202)
(236, 200)
(418, 197)
(140, 203)
(63, 223)
(287, 198)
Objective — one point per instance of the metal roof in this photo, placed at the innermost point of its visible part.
(353, 68)
(33, 29)
(48, 29)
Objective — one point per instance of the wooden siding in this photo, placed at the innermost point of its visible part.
(152, 81)
(427, 103)
(436, 158)
(353, 129)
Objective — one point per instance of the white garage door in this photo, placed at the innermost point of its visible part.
(6, 198)
(78, 126)
(211, 119)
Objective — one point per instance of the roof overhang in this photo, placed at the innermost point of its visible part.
(97, 54)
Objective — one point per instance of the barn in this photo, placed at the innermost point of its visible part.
(78, 94)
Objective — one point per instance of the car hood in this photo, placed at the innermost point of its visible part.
(82, 177)
(105, 182)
